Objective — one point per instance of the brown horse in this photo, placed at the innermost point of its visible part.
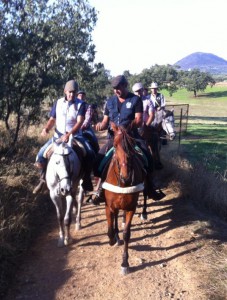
(122, 186)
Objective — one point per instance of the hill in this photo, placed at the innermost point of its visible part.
(205, 62)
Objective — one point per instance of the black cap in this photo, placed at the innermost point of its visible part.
(118, 80)
(81, 92)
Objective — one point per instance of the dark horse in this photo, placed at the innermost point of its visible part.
(163, 122)
(122, 186)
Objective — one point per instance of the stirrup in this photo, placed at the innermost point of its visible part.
(98, 197)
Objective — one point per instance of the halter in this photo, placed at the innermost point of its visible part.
(119, 176)
(166, 121)
(128, 145)
(67, 167)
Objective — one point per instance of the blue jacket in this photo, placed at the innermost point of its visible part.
(126, 114)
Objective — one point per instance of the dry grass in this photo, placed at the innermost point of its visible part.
(21, 214)
(207, 195)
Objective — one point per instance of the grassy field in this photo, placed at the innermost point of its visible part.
(206, 138)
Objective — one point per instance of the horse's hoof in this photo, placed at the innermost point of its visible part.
(68, 242)
(118, 243)
(143, 217)
(78, 227)
(124, 270)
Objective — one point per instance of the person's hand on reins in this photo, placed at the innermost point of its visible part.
(65, 137)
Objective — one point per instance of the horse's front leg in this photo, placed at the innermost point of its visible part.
(126, 238)
(68, 219)
(79, 201)
(116, 229)
(56, 199)
(110, 222)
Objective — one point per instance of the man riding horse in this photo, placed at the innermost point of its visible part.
(67, 114)
(125, 108)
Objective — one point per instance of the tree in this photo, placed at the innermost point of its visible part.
(42, 45)
(98, 87)
(165, 75)
(195, 80)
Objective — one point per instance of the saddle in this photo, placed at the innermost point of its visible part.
(104, 164)
(77, 146)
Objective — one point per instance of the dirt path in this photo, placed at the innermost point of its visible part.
(162, 252)
(166, 257)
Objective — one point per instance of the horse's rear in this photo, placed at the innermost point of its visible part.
(62, 177)
(123, 184)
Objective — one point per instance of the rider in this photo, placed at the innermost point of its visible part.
(125, 108)
(148, 118)
(86, 128)
(67, 114)
(158, 99)
(148, 107)
(159, 103)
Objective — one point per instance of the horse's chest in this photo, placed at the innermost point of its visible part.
(123, 202)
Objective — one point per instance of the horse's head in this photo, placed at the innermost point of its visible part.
(63, 166)
(124, 146)
(168, 123)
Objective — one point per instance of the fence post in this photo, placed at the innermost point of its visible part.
(181, 115)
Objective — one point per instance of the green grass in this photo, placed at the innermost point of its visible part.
(206, 144)
(206, 138)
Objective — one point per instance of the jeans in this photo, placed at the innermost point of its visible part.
(39, 157)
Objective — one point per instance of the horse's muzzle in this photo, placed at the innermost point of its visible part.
(65, 192)
(172, 136)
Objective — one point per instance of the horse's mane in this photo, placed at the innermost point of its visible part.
(127, 141)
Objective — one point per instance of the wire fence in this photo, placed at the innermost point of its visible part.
(211, 153)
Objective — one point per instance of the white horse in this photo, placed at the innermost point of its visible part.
(63, 179)
(164, 119)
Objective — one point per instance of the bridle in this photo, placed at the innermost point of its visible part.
(69, 172)
(118, 174)
(127, 143)
(166, 122)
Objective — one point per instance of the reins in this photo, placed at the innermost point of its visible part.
(67, 167)
(127, 143)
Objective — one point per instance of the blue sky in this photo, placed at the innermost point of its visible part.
(137, 34)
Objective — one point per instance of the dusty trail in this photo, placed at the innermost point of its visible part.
(161, 251)
(166, 256)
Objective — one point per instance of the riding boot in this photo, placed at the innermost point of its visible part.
(99, 197)
(87, 183)
(41, 183)
(151, 191)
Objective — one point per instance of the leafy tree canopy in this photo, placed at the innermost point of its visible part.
(42, 45)
(195, 80)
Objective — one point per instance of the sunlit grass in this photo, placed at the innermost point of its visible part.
(205, 141)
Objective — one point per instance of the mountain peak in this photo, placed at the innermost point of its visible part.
(206, 62)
